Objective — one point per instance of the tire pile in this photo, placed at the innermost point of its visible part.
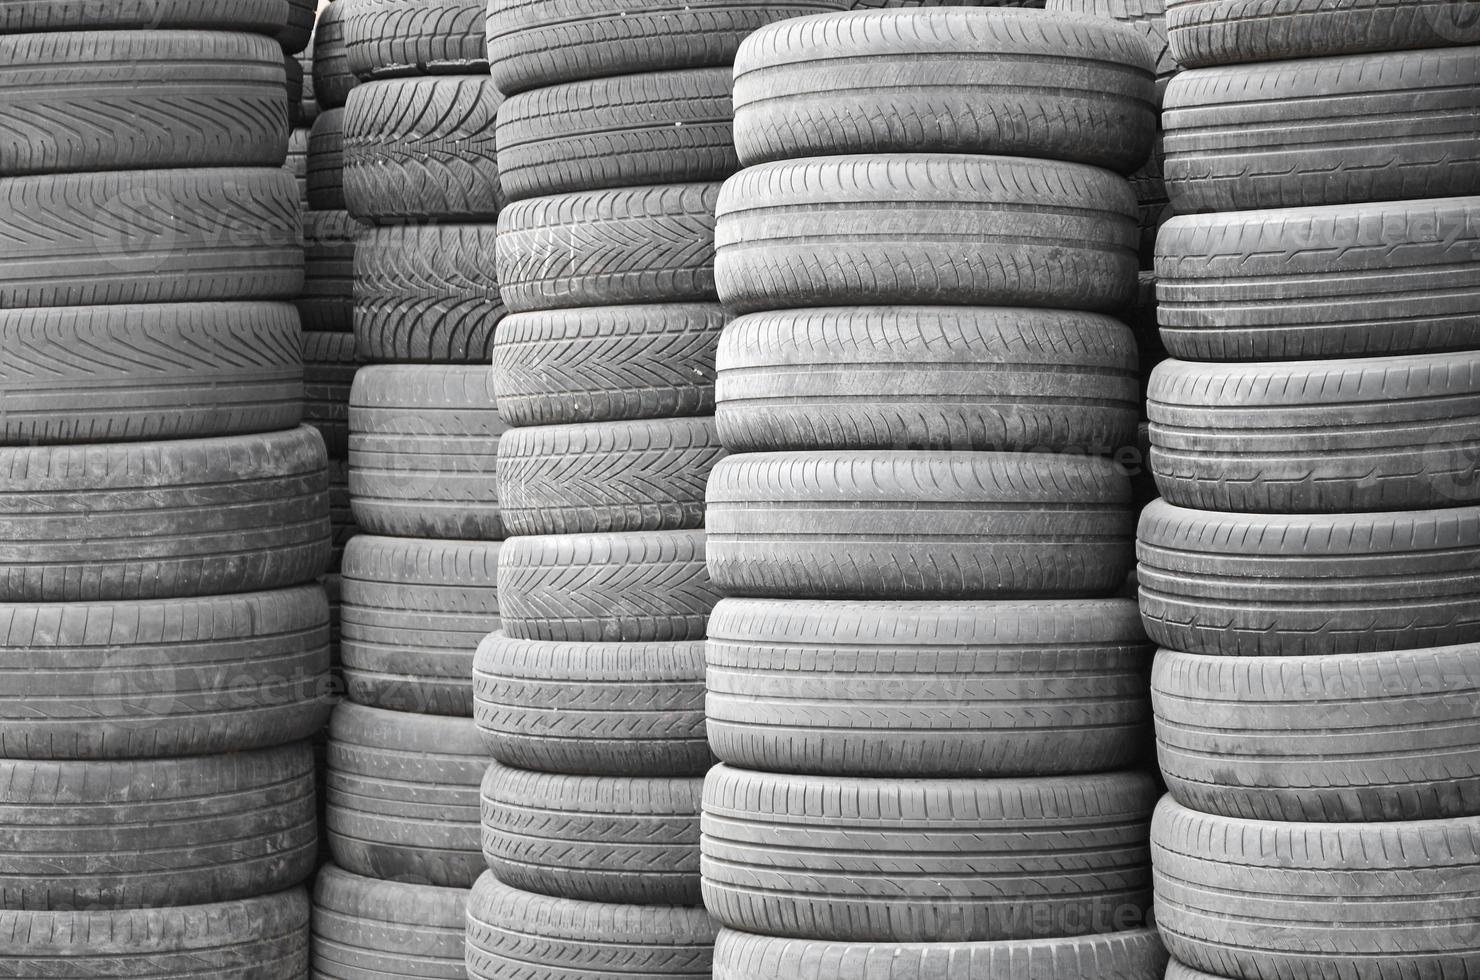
(163, 643)
(1313, 569)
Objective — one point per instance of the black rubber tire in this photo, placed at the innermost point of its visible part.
(329, 366)
(513, 934)
(157, 520)
(264, 938)
(138, 100)
(607, 364)
(1346, 130)
(296, 34)
(1224, 32)
(1367, 434)
(1149, 17)
(365, 929)
(633, 840)
(927, 377)
(1134, 954)
(326, 162)
(150, 236)
(423, 452)
(139, 834)
(927, 688)
(1249, 898)
(636, 587)
(606, 248)
(422, 149)
(926, 860)
(38, 16)
(650, 128)
(308, 100)
(341, 521)
(1351, 281)
(426, 294)
(295, 82)
(297, 162)
(538, 43)
(158, 371)
(968, 81)
(918, 525)
(927, 229)
(892, 4)
(1309, 585)
(606, 477)
(612, 709)
(327, 301)
(412, 615)
(332, 79)
(391, 38)
(403, 796)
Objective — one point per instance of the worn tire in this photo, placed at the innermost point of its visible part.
(327, 301)
(1309, 585)
(613, 709)
(423, 452)
(364, 929)
(332, 79)
(329, 366)
(36, 16)
(298, 31)
(326, 162)
(1149, 17)
(391, 38)
(412, 615)
(922, 860)
(297, 162)
(926, 229)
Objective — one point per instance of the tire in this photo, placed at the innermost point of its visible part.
(1134, 954)
(1309, 585)
(1295, 285)
(309, 100)
(296, 34)
(926, 861)
(364, 928)
(1346, 130)
(918, 525)
(326, 162)
(651, 128)
(297, 163)
(116, 835)
(327, 302)
(403, 796)
(391, 38)
(538, 43)
(294, 71)
(1149, 17)
(1224, 32)
(262, 938)
(514, 934)
(155, 371)
(927, 689)
(1153, 204)
(892, 4)
(329, 366)
(610, 709)
(1358, 737)
(1142, 319)
(421, 149)
(932, 230)
(637, 587)
(139, 100)
(946, 81)
(609, 364)
(150, 236)
(607, 477)
(423, 451)
(1370, 434)
(38, 16)
(927, 378)
(413, 613)
(426, 294)
(609, 248)
(1302, 900)
(233, 514)
(332, 79)
(625, 839)
(341, 517)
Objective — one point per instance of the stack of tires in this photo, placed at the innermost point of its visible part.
(1313, 571)
(419, 584)
(163, 649)
(927, 710)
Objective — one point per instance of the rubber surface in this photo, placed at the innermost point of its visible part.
(332, 78)
(326, 162)
(390, 38)
(1146, 16)
(327, 301)
(298, 32)
(34, 16)
(297, 162)
(329, 366)
(364, 928)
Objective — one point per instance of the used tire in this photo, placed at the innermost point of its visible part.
(296, 34)
(157, 520)
(412, 615)
(423, 452)
(144, 833)
(35, 16)
(1149, 17)
(1309, 585)
(608, 248)
(389, 38)
(927, 378)
(148, 371)
(607, 364)
(326, 162)
(927, 688)
(297, 162)
(403, 796)
(329, 366)
(365, 929)
(626, 839)
(327, 301)
(926, 229)
(919, 860)
(332, 79)
(614, 709)
(341, 517)
(918, 525)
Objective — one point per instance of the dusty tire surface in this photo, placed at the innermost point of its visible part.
(332, 79)
(1146, 16)
(36, 16)
(327, 301)
(325, 177)
(364, 928)
(391, 38)
(329, 366)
